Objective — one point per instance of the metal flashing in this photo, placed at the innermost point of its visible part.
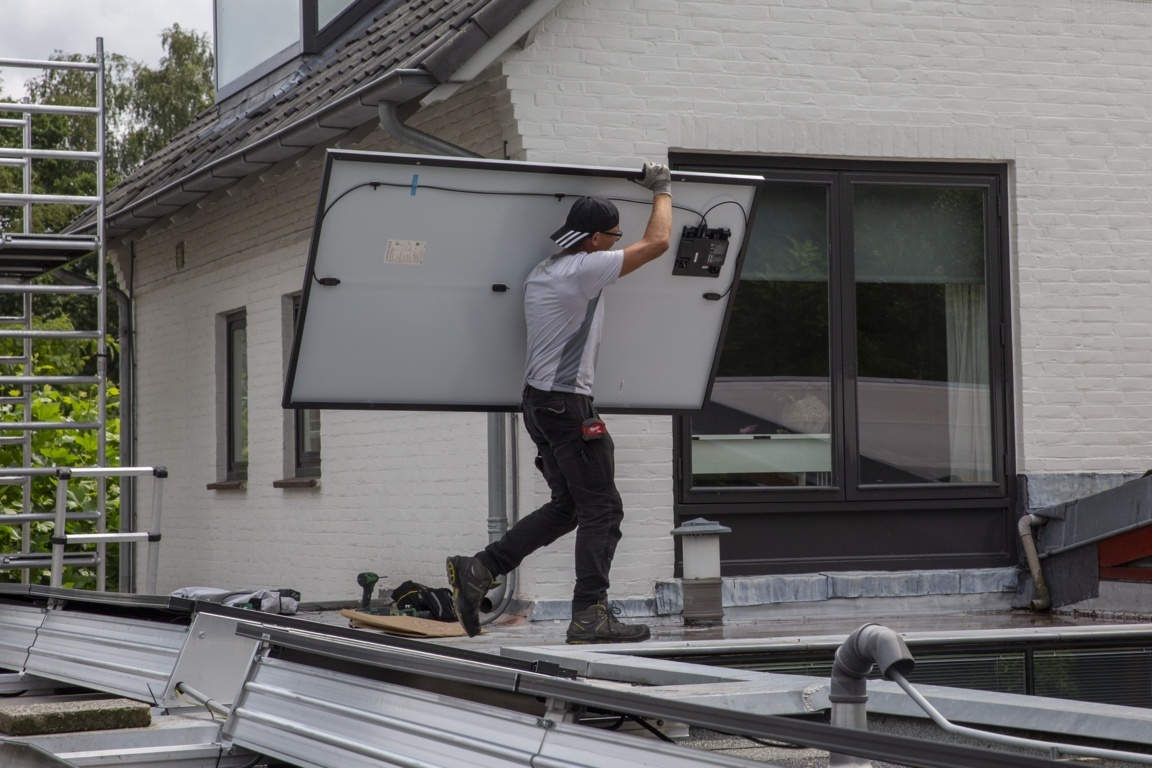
(127, 657)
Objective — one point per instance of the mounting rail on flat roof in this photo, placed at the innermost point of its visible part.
(323, 696)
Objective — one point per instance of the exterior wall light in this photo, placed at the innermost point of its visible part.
(701, 584)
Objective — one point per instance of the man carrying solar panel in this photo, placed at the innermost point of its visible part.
(575, 453)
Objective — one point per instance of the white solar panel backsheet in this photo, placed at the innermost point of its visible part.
(425, 259)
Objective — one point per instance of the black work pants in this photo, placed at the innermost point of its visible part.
(581, 476)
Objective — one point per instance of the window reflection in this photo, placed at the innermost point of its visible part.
(327, 10)
(768, 421)
(923, 396)
(237, 422)
(919, 397)
(249, 32)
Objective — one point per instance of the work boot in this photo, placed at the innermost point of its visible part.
(598, 624)
(469, 581)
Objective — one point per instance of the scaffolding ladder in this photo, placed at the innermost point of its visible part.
(24, 256)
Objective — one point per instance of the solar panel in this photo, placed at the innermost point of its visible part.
(413, 294)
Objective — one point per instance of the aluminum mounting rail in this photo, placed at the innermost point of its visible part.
(251, 726)
(41, 289)
(47, 109)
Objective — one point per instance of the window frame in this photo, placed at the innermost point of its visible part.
(235, 469)
(305, 463)
(312, 39)
(839, 178)
(317, 38)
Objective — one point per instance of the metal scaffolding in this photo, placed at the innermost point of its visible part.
(26, 255)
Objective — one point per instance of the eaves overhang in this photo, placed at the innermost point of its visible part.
(342, 115)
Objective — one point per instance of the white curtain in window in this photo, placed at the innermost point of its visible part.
(969, 406)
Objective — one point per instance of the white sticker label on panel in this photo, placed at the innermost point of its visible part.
(405, 252)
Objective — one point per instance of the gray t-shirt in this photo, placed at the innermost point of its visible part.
(564, 314)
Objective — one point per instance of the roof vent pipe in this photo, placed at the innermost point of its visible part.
(871, 644)
(425, 142)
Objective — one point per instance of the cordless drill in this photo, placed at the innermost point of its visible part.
(367, 582)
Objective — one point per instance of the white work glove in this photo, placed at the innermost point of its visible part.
(657, 178)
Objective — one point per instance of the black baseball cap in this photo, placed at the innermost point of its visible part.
(587, 215)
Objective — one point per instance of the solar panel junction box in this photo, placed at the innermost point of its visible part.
(701, 252)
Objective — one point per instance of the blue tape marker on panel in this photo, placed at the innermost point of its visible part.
(415, 181)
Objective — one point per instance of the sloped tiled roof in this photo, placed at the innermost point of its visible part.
(408, 48)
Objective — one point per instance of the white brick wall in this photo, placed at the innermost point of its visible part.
(1057, 89)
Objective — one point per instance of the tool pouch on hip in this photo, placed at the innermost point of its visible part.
(593, 429)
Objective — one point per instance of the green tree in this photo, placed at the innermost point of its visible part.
(145, 108)
(162, 102)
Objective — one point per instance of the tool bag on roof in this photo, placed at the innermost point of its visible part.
(423, 601)
(281, 601)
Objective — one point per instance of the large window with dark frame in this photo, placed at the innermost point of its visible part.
(236, 351)
(862, 358)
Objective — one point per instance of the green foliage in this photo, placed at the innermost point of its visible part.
(162, 102)
(61, 448)
(145, 109)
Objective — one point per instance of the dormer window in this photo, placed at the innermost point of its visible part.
(255, 37)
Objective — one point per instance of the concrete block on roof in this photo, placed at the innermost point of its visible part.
(69, 716)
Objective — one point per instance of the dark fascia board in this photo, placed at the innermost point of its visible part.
(352, 109)
(494, 17)
(444, 62)
(477, 30)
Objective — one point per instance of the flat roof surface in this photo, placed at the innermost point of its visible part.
(516, 630)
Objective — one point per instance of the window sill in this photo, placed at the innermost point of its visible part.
(297, 482)
(228, 485)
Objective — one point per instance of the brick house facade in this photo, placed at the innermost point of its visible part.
(1055, 93)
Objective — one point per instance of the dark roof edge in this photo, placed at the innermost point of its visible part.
(341, 116)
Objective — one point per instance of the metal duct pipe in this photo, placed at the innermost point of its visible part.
(390, 121)
(502, 438)
(203, 700)
(1043, 600)
(868, 645)
(1055, 749)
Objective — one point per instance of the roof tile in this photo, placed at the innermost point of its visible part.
(435, 36)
